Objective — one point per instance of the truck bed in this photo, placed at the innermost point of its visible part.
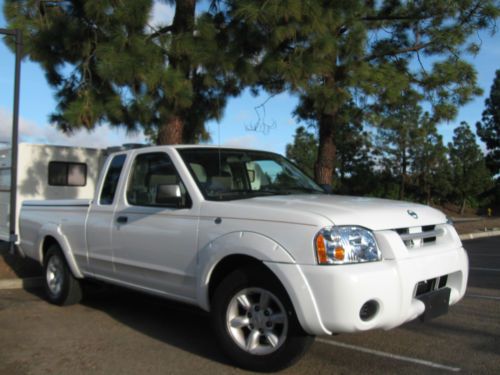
(50, 217)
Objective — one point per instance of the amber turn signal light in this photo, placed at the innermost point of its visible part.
(321, 249)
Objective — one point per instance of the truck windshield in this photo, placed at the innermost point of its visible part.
(224, 174)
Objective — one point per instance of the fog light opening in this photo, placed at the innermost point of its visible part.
(368, 310)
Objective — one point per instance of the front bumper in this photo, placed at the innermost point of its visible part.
(328, 299)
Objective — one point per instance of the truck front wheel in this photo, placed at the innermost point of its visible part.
(61, 287)
(255, 322)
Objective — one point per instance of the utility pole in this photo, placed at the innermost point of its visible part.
(18, 38)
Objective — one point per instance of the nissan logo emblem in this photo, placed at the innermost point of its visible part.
(412, 214)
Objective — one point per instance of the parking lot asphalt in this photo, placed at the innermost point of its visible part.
(115, 331)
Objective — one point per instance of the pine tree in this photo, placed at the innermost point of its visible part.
(303, 150)
(430, 167)
(335, 53)
(470, 175)
(108, 65)
(398, 135)
(489, 129)
(354, 157)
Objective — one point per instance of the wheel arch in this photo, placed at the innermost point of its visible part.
(227, 253)
(50, 235)
(229, 264)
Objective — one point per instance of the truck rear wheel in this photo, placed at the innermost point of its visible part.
(61, 287)
(255, 322)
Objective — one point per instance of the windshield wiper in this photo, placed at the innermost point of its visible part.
(262, 193)
(273, 192)
(304, 189)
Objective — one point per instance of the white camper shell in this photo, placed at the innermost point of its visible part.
(45, 172)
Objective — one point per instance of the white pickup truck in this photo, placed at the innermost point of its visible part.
(247, 236)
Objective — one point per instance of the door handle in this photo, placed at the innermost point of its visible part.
(122, 219)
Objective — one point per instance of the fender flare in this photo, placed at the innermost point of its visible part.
(54, 230)
(269, 252)
(251, 244)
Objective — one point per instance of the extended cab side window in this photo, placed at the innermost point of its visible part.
(154, 182)
(111, 180)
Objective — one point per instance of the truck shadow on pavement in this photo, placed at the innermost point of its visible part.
(15, 266)
(183, 326)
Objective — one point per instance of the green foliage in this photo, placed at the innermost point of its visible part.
(354, 161)
(433, 173)
(489, 129)
(351, 63)
(413, 151)
(346, 58)
(303, 151)
(106, 64)
(430, 169)
(397, 135)
(470, 175)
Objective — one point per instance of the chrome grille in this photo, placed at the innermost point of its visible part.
(416, 237)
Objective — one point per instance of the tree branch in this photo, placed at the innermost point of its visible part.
(161, 31)
(414, 48)
(395, 17)
(261, 125)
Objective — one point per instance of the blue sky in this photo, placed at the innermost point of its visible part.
(37, 102)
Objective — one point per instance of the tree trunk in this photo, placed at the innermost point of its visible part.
(462, 209)
(183, 22)
(325, 164)
(171, 132)
(184, 16)
(403, 176)
(427, 190)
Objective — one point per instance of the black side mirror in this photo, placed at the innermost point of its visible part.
(327, 188)
(169, 195)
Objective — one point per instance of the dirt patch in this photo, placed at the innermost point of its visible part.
(476, 224)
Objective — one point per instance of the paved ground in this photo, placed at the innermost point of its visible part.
(119, 332)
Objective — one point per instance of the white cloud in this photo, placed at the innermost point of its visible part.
(30, 132)
(245, 141)
(161, 14)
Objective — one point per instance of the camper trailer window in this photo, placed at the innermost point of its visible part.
(67, 174)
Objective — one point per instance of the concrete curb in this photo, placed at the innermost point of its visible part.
(473, 236)
(30, 282)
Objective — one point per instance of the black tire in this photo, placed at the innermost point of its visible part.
(293, 342)
(55, 267)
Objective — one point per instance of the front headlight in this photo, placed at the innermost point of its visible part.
(345, 245)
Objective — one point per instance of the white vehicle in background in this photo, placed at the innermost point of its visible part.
(45, 172)
(247, 236)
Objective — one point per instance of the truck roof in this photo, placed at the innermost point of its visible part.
(197, 146)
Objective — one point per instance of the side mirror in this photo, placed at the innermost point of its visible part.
(169, 195)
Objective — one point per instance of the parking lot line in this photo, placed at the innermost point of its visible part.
(483, 297)
(389, 355)
(484, 255)
(484, 269)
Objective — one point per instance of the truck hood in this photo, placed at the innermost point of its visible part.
(371, 213)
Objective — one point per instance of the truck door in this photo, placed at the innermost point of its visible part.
(100, 221)
(155, 229)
